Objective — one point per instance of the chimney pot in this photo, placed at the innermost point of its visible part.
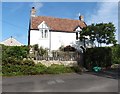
(33, 12)
(81, 18)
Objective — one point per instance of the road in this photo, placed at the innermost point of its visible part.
(71, 82)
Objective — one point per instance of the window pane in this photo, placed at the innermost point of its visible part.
(42, 33)
(46, 33)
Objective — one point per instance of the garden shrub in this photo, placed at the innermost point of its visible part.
(18, 52)
(12, 70)
(57, 69)
(99, 56)
(11, 61)
(40, 68)
(116, 54)
(14, 61)
(28, 62)
(25, 69)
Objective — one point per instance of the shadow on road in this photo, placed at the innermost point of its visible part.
(111, 73)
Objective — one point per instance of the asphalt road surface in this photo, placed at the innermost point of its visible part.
(71, 82)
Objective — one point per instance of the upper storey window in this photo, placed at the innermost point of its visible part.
(77, 30)
(44, 33)
(44, 30)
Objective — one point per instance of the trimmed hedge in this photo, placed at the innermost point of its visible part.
(57, 69)
(14, 70)
(17, 52)
(116, 54)
(99, 56)
(14, 61)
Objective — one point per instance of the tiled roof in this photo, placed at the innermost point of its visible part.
(57, 24)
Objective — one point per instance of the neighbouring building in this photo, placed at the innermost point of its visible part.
(11, 42)
(51, 32)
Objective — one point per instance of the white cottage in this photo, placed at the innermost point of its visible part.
(51, 32)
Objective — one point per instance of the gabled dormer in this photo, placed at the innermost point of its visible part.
(44, 30)
(78, 30)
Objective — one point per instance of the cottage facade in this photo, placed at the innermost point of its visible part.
(52, 33)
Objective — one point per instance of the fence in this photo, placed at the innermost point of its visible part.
(61, 56)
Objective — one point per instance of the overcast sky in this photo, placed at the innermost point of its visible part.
(16, 16)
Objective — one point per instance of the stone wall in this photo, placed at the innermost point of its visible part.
(65, 63)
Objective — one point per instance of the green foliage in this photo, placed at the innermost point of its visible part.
(116, 54)
(14, 61)
(36, 48)
(14, 70)
(42, 51)
(11, 70)
(39, 51)
(100, 56)
(11, 61)
(17, 52)
(57, 69)
(40, 68)
(102, 33)
(28, 62)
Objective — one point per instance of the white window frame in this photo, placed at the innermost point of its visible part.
(44, 33)
(78, 30)
(44, 30)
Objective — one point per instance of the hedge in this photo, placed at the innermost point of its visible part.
(99, 56)
(14, 70)
(14, 61)
(17, 52)
(116, 54)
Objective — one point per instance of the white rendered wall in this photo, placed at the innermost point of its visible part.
(62, 38)
(54, 40)
(35, 38)
(57, 39)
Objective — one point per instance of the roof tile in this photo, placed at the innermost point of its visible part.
(57, 24)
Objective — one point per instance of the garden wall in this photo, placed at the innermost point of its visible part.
(65, 63)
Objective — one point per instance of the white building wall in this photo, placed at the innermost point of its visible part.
(35, 38)
(57, 39)
(62, 38)
(54, 40)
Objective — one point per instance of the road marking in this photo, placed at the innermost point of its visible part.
(59, 81)
(51, 82)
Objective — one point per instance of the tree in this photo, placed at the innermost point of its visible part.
(101, 33)
(35, 47)
(88, 33)
(42, 51)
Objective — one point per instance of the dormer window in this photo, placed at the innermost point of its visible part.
(78, 30)
(44, 33)
(44, 30)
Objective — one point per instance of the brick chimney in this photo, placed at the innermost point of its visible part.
(81, 18)
(33, 12)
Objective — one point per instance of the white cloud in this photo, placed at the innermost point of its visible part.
(106, 12)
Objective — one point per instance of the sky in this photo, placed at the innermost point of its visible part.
(16, 15)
